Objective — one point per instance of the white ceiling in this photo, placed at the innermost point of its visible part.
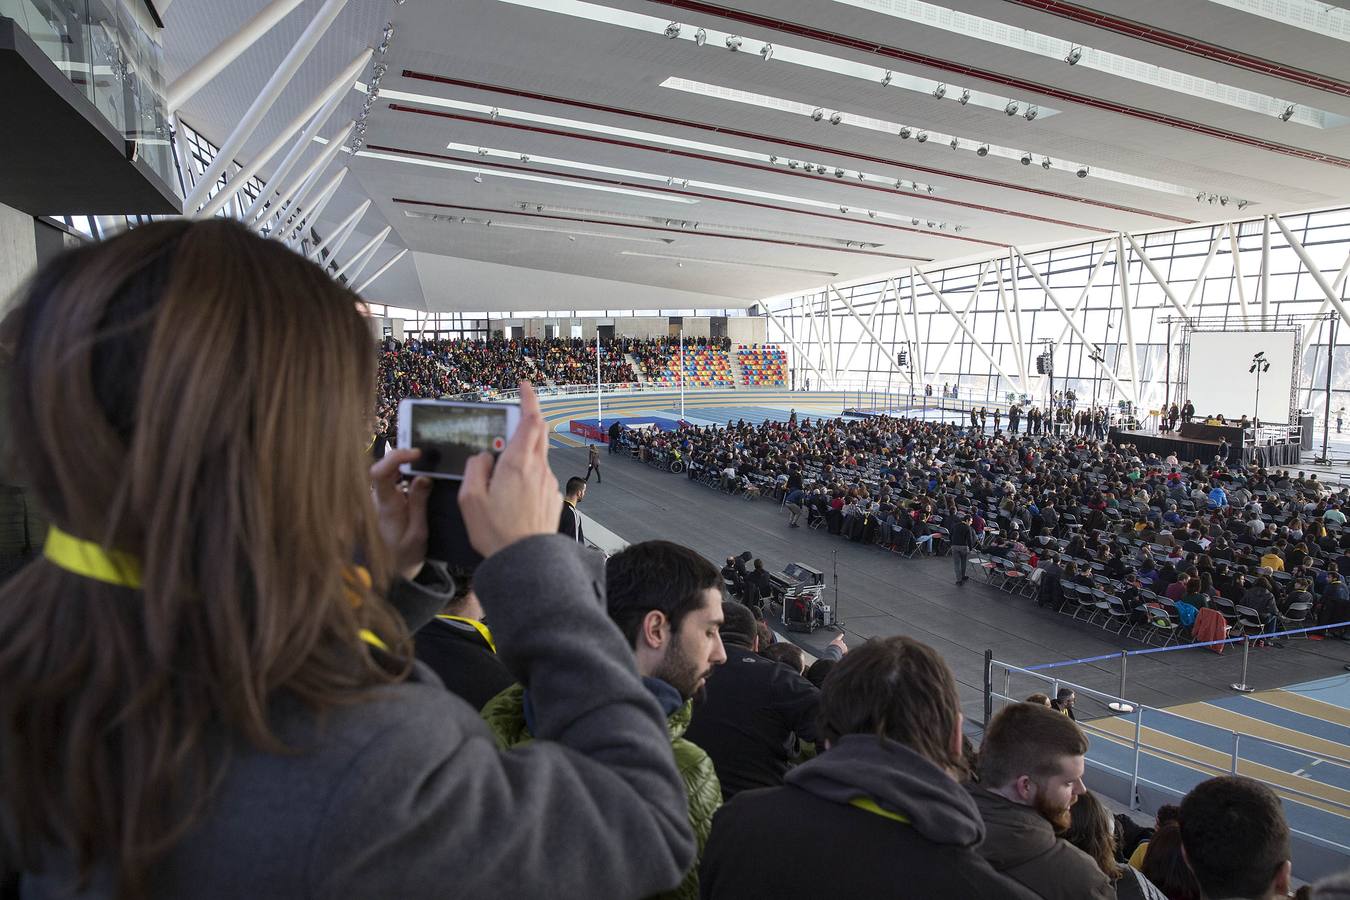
(621, 254)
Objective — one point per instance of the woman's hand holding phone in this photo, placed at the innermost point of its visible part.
(402, 513)
(519, 497)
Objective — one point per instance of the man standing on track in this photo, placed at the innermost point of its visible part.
(593, 464)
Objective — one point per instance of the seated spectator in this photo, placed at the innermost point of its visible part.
(819, 670)
(1039, 699)
(789, 654)
(457, 645)
(1031, 772)
(882, 797)
(1092, 830)
(754, 712)
(1166, 867)
(246, 717)
(666, 600)
(1168, 812)
(1236, 839)
(1064, 702)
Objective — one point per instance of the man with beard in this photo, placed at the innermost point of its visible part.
(1031, 772)
(667, 602)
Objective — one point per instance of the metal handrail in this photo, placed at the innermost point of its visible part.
(1139, 744)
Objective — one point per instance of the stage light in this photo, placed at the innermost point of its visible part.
(733, 43)
(886, 79)
(982, 150)
(773, 159)
(838, 173)
(836, 118)
(914, 221)
(817, 114)
(766, 52)
(905, 132)
(1074, 56)
(477, 179)
(1045, 163)
(1082, 172)
(1011, 108)
(940, 91)
(820, 169)
(482, 151)
(1026, 159)
(1031, 113)
(954, 143)
(524, 157)
(965, 97)
(1288, 113)
(494, 113)
(673, 30)
(1223, 201)
(1242, 204)
(921, 137)
(701, 37)
(792, 164)
(871, 214)
(844, 209)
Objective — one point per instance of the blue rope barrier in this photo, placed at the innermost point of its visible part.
(1147, 650)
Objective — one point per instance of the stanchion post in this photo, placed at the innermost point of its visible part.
(1138, 739)
(1119, 705)
(1242, 685)
(1236, 738)
(988, 687)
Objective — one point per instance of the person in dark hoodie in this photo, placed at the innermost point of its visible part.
(1031, 772)
(754, 712)
(881, 797)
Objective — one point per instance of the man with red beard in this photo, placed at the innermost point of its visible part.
(1031, 772)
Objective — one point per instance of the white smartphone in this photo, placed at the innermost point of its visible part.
(448, 432)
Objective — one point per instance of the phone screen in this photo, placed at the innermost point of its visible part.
(449, 435)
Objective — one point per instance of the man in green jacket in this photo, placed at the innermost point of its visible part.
(667, 602)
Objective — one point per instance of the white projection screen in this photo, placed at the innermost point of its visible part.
(1219, 381)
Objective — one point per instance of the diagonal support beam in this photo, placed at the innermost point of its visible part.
(311, 215)
(381, 270)
(362, 256)
(871, 317)
(201, 72)
(253, 116)
(1315, 272)
(806, 357)
(1157, 276)
(1127, 310)
(1237, 273)
(867, 329)
(979, 344)
(305, 179)
(340, 234)
(1078, 332)
(970, 304)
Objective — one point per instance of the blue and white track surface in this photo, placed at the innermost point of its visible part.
(700, 408)
(1296, 738)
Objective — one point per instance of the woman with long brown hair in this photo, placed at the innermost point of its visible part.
(207, 690)
(1092, 829)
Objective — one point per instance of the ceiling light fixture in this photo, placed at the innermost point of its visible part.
(1031, 113)
(681, 260)
(965, 96)
(701, 37)
(1026, 159)
(1082, 172)
(905, 132)
(673, 30)
(836, 118)
(1045, 162)
(1288, 113)
(838, 173)
(1074, 55)
(982, 150)
(954, 143)
(522, 176)
(1011, 108)
(886, 79)
(733, 43)
(817, 114)
(477, 179)
(922, 136)
(940, 91)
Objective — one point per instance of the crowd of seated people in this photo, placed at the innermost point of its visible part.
(1159, 537)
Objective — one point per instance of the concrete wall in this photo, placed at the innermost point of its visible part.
(696, 327)
(747, 329)
(18, 253)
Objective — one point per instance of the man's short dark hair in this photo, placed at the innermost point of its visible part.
(656, 575)
(896, 688)
(738, 624)
(787, 653)
(1235, 836)
(574, 486)
(1027, 739)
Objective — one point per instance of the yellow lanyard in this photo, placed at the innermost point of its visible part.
(477, 625)
(870, 805)
(88, 559)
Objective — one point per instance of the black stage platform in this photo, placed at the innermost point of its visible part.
(1185, 448)
(883, 594)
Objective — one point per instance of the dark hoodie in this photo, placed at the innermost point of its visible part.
(868, 818)
(1021, 844)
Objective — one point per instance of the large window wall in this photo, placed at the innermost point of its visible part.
(981, 325)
